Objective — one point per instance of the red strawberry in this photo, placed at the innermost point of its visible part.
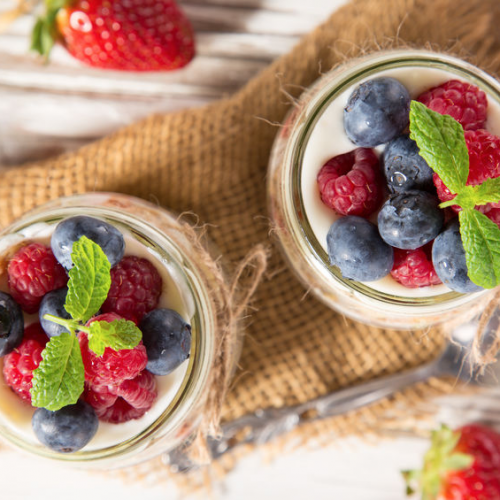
(130, 35)
(460, 465)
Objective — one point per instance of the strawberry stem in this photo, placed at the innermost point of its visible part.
(439, 461)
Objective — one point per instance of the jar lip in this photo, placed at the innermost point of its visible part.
(299, 125)
(202, 319)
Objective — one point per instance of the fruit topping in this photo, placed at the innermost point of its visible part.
(11, 324)
(112, 367)
(461, 100)
(66, 430)
(106, 236)
(410, 220)
(135, 289)
(18, 366)
(53, 303)
(413, 268)
(32, 272)
(404, 168)
(448, 257)
(167, 338)
(356, 248)
(129, 35)
(351, 183)
(376, 112)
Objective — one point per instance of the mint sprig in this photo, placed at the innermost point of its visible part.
(59, 379)
(441, 141)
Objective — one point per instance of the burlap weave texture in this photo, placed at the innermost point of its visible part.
(212, 161)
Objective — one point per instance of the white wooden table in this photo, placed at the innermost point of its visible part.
(45, 109)
(54, 108)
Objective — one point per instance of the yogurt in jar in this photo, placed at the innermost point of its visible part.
(154, 234)
(17, 414)
(312, 134)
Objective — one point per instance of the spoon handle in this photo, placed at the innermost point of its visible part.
(264, 425)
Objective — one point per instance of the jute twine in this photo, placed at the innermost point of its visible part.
(229, 296)
(213, 161)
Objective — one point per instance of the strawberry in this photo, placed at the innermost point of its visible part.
(460, 465)
(129, 35)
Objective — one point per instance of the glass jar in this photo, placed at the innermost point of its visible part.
(311, 134)
(194, 290)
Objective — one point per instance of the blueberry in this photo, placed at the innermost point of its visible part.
(448, 258)
(70, 230)
(356, 248)
(66, 430)
(53, 303)
(167, 338)
(377, 111)
(11, 324)
(410, 220)
(404, 168)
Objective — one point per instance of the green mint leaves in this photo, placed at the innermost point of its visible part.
(89, 280)
(119, 334)
(441, 141)
(58, 381)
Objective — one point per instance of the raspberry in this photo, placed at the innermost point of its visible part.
(351, 183)
(113, 367)
(127, 401)
(135, 289)
(484, 163)
(32, 272)
(461, 100)
(19, 364)
(413, 268)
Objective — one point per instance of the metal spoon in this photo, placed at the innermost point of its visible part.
(264, 425)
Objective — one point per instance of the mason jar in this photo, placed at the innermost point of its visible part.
(194, 287)
(311, 134)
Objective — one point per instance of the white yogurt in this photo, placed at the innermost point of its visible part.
(328, 139)
(15, 414)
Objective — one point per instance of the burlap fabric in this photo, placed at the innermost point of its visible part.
(212, 161)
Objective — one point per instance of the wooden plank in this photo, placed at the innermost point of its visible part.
(204, 76)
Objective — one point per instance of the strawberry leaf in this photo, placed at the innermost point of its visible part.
(41, 37)
(58, 380)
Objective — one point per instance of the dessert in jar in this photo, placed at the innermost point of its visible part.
(360, 189)
(109, 331)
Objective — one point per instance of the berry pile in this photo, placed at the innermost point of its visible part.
(414, 240)
(119, 385)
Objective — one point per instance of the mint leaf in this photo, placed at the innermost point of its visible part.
(488, 191)
(441, 141)
(481, 240)
(58, 380)
(89, 280)
(119, 334)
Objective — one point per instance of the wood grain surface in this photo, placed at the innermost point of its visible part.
(50, 108)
